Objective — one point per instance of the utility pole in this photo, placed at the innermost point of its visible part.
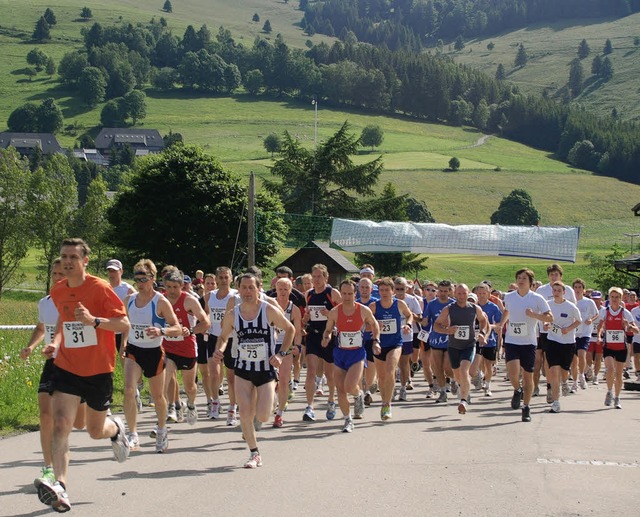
(251, 222)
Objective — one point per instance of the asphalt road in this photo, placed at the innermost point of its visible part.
(427, 460)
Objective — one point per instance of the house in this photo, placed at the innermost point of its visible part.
(91, 155)
(25, 143)
(316, 252)
(143, 141)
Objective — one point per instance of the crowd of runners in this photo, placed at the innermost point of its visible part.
(365, 340)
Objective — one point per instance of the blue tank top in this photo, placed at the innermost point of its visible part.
(390, 321)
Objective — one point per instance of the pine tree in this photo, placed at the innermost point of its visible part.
(167, 8)
(42, 30)
(521, 56)
(583, 49)
(500, 73)
(608, 47)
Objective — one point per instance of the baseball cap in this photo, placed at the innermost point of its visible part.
(114, 264)
(187, 279)
(596, 294)
(472, 296)
(367, 270)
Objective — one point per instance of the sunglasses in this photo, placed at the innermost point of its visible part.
(141, 279)
(431, 290)
(399, 288)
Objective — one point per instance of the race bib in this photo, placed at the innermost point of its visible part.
(253, 352)
(49, 332)
(351, 339)
(518, 328)
(462, 332)
(423, 335)
(137, 334)
(556, 330)
(78, 335)
(615, 336)
(388, 326)
(217, 314)
(315, 314)
(594, 329)
(176, 338)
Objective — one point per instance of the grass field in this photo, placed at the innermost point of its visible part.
(552, 46)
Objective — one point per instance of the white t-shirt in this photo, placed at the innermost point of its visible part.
(521, 329)
(546, 291)
(48, 316)
(414, 306)
(564, 314)
(588, 310)
(635, 312)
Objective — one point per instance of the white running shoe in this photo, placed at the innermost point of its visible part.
(192, 415)
(120, 445)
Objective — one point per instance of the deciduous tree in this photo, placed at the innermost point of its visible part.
(516, 209)
(372, 136)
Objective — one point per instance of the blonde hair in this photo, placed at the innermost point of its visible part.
(146, 265)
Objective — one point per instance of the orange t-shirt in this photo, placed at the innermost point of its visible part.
(86, 351)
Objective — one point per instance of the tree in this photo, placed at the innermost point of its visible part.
(92, 86)
(454, 164)
(372, 136)
(272, 143)
(232, 78)
(54, 196)
(255, 18)
(136, 105)
(167, 8)
(604, 271)
(91, 222)
(49, 116)
(172, 138)
(596, 65)
(24, 119)
(254, 81)
(418, 212)
(606, 71)
(521, 56)
(327, 182)
(584, 155)
(31, 73)
(608, 47)
(166, 78)
(516, 209)
(490, 46)
(113, 113)
(86, 13)
(459, 43)
(481, 115)
(221, 197)
(42, 30)
(14, 215)
(50, 66)
(37, 58)
(500, 73)
(576, 77)
(71, 66)
(583, 49)
(267, 27)
(50, 17)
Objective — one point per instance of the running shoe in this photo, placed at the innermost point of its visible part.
(120, 445)
(257, 425)
(374, 387)
(574, 387)
(409, 385)
(588, 373)
(385, 412)
(192, 415)
(447, 387)
(254, 461)
(565, 389)
(526, 414)
(358, 406)
(583, 382)
(154, 431)
(368, 399)
(134, 441)
(616, 403)
(138, 400)
(608, 399)
(180, 414)
(277, 421)
(625, 374)
(209, 407)
(516, 399)
(309, 415)
(462, 407)
(172, 415)
(232, 417)
(152, 402)
(54, 495)
(595, 380)
(291, 395)
(477, 381)
(454, 388)
(536, 391)
(403, 394)
(47, 478)
(320, 386)
(487, 392)
(331, 411)
(295, 385)
(555, 407)
(162, 440)
(394, 397)
(220, 391)
(549, 395)
(430, 392)
(348, 425)
(442, 397)
(215, 410)
(415, 367)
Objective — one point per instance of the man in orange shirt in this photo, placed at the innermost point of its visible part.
(90, 312)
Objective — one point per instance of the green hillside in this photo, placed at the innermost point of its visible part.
(551, 48)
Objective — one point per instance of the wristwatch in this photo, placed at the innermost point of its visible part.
(282, 353)
(96, 323)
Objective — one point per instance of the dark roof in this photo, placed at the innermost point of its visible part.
(636, 209)
(47, 142)
(135, 136)
(316, 252)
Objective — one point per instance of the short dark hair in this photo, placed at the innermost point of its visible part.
(77, 241)
(286, 270)
(528, 272)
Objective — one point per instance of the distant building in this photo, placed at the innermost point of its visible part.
(143, 141)
(316, 252)
(91, 155)
(25, 143)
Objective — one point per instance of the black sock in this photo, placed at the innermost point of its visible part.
(62, 484)
(253, 450)
(115, 436)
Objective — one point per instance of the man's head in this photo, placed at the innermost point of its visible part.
(223, 277)
(367, 271)
(284, 272)
(57, 271)
(461, 294)
(400, 287)
(348, 291)
(554, 273)
(209, 282)
(319, 275)
(74, 254)
(444, 290)
(525, 278)
(249, 287)
(173, 283)
(114, 272)
(365, 286)
(283, 287)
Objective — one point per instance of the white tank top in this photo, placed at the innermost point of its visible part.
(142, 317)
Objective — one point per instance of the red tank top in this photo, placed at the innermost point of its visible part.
(350, 328)
(182, 346)
(614, 331)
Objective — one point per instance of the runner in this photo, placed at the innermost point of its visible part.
(489, 349)
(349, 319)
(561, 342)
(122, 289)
(45, 329)
(89, 314)
(292, 313)
(202, 340)
(365, 297)
(615, 320)
(320, 300)
(151, 318)
(594, 354)
(429, 290)
(523, 308)
(458, 321)
(257, 361)
(181, 351)
(400, 287)
(216, 307)
(589, 315)
(394, 317)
